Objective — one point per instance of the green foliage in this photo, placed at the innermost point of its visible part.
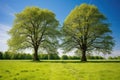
(49, 56)
(25, 56)
(64, 57)
(11, 55)
(53, 56)
(43, 56)
(74, 57)
(27, 70)
(95, 57)
(7, 55)
(112, 58)
(34, 28)
(1, 55)
(86, 29)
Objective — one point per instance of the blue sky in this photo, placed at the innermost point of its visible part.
(110, 8)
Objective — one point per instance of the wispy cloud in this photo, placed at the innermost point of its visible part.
(115, 53)
(4, 37)
(8, 10)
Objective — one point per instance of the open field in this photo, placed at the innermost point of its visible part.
(45, 70)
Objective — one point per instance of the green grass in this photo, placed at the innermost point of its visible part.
(45, 70)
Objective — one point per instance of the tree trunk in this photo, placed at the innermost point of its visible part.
(83, 59)
(48, 56)
(36, 58)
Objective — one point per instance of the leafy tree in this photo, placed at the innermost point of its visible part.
(95, 57)
(28, 56)
(64, 57)
(7, 55)
(86, 29)
(116, 57)
(73, 57)
(53, 56)
(56, 56)
(43, 56)
(34, 28)
(1, 55)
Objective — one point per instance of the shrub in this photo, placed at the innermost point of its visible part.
(1, 55)
(64, 57)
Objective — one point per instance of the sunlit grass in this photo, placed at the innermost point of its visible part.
(28, 70)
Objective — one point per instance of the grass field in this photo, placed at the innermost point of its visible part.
(28, 70)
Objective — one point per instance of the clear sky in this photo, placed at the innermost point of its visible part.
(110, 8)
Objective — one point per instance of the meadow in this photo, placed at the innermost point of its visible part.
(58, 70)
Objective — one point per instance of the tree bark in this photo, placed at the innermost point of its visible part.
(36, 58)
(48, 56)
(83, 59)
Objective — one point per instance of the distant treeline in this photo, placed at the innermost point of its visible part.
(10, 56)
(116, 57)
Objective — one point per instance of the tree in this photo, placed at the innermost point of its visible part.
(7, 55)
(1, 55)
(34, 28)
(86, 29)
(43, 56)
(64, 57)
(53, 56)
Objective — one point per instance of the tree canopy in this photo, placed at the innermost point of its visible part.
(86, 29)
(36, 29)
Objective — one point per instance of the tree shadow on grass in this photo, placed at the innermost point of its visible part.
(77, 61)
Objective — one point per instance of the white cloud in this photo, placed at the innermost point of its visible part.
(72, 53)
(61, 52)
(115, 53)
(4, 37)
